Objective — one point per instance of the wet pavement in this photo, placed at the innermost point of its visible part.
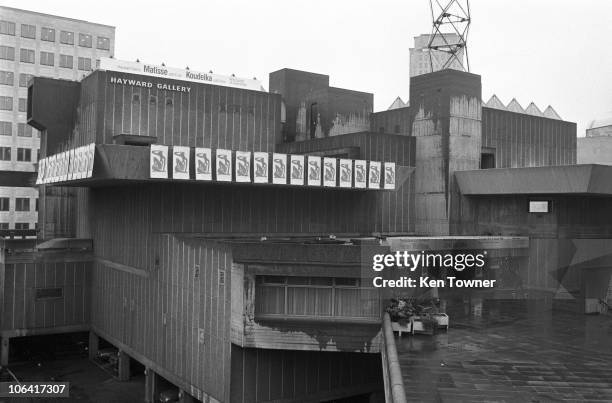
(88, 383)
(511, 351)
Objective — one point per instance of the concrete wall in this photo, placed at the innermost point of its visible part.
(595, 150)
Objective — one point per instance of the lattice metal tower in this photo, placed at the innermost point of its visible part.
(451, 24)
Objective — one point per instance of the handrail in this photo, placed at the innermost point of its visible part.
(394, 384)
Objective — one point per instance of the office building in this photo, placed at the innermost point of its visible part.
(421, 57)
(36, 45)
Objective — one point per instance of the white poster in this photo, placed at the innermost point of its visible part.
(71, 165)
(346, 173)
(91, 153)
(360, 173)
(243, 166)
(65, 162)
(279, 168)
(158, 161)
(329, 172)
(43, 170)
(374, 175)
(54, 164)
(314, 171)
(223, 163)
(180, 162)
(297, 170)
(203, 164)
(261, 171)
(82, 151)
(390, 175)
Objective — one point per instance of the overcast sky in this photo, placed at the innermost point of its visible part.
(556, 52)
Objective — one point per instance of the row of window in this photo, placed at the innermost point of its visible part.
(44, 58)
(18, 225)
(6, 104)
(23, 154)
(21, 204)
(23, 130)
(48, 34)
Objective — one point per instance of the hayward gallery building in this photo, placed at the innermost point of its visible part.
(215, 232)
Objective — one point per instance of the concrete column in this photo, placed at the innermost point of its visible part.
(123, 366)
(4, 353)
(151, 386)
(185, 397)
(94, 343)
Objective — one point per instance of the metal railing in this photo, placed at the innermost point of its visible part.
(392, 374)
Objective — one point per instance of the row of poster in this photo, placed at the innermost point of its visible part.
(76, 163)
(262, 167)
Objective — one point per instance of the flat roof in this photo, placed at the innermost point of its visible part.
(20, 10)
(583, 179)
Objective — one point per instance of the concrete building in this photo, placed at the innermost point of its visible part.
(596, 146)
(36, 45)
(421, 57)
(256, 291)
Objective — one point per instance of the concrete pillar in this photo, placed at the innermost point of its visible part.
(185, 397)
(123, 366)
(94, 343)
(4, 353)
(151, 386)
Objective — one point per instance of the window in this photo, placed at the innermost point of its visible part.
(26, 56)
(6, 103)
(7, 28)
(84, 64)
(6, 128)
(22, 225)
(28, 31)
(24, 154)
(314, 297)
(85, 40)
(47, 34)
(103, 43)
(36, 204)
(67, 37)
(5, 153)
(66, 61)
(7, 77)
(4, 203)
(23, 130)
(22, 204)
(47, 58)
(24, 79)
(4, 225)
(7, 52)
(23, 105)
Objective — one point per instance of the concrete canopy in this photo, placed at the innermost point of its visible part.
(588, 179)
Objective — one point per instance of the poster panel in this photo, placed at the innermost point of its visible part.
(158, 162)
(261, 171)
(346, 173)
(203, 164)
(279, 168)
(374, 175)
(390, 175)
(329, 172)
(243, 166)
(180, 162)
(297, 170)
(223, 165)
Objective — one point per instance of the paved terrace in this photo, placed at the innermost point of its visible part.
(516, 352)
